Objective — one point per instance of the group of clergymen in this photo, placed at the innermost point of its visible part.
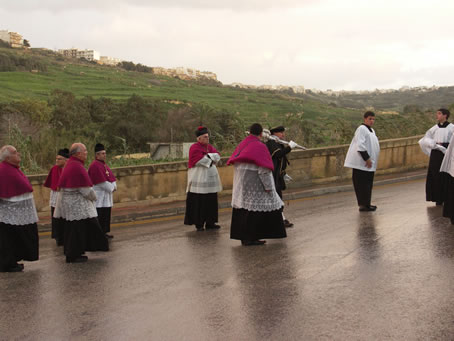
(260, 170)
(81, 201)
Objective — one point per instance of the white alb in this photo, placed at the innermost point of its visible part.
(434, 136)
(104, 193)
(204, 178)
(364, 140)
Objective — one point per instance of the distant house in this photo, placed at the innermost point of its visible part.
(90, 55)
(184, 73)
(12, 38)
(105, 60)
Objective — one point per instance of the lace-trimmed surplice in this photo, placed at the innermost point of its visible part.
(53, 198)
(250, 183)
(18, 210)
(76, 204)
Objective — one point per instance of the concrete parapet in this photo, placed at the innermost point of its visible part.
(166, 182)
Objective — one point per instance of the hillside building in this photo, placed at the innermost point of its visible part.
(105, 60)
(90, 55)
(12, 38)
(70, 53)
(184, 73)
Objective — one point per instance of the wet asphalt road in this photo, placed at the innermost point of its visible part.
(339, 275)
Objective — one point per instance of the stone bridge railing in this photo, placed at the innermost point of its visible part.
(166, 182)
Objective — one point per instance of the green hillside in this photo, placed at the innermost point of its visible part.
(87, 79)
(413, 99)
(49, 101)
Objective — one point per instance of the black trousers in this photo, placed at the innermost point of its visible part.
(435, 181)
(363, 182)
(104, 214)
(448, 205)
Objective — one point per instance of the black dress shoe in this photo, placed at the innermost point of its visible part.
(14, 268)
(212, 227)
(199, 227)
(80, 259)
(366, 209)
(439, 203)
(109, 236)
(373, 207)
(252, 242)
(287, 224)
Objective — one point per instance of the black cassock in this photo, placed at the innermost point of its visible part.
(279, 156)
(201, 209)
(250, 225)
(18, 242)
(436, 180)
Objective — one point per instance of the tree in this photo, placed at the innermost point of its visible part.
(137, 121)
(412, 108)
(202, 112)
(26, 43)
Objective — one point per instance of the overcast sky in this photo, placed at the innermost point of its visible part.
(325, 44)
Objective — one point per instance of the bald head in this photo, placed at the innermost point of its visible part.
(79, 151)
(9, 154)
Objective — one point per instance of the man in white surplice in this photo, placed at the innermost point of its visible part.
(434, 144)
(104, 184)
(362, 157)
(203, 183)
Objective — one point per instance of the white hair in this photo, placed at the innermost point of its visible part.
(5, 151)
(75, 148)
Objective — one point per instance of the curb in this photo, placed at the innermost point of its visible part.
(180, 210)
(347, 188)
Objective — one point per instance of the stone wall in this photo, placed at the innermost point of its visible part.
(163, 183)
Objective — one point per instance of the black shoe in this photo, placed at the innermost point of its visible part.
(287, 224)
(212, 227)
(80, 259)
(373, 207)
(439, 203)
(199, 227)
(109, 236)
(14, 268)
(367, 209)
(252, 242)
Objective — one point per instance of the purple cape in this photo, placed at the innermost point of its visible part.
(12, 181)
(252, 150)
(74, 175)
(100, 172)
(53, 177)
(198, 151)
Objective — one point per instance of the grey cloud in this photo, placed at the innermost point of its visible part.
(112, 5)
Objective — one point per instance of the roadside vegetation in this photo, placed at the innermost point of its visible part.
(48, 102)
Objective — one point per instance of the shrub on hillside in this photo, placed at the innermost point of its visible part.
(19, 63)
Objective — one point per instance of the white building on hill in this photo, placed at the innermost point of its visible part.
(12, 38)
(90, 55)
